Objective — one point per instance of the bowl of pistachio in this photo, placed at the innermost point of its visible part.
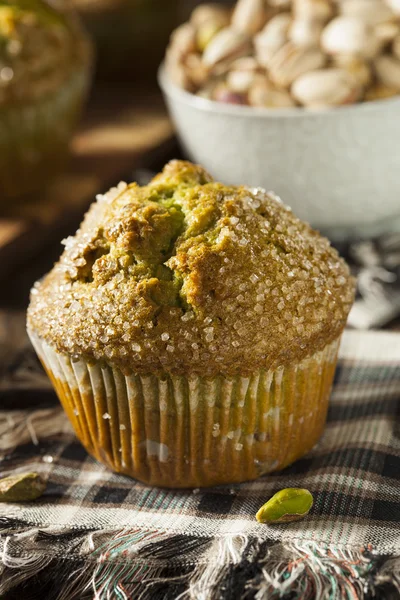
(301, 97)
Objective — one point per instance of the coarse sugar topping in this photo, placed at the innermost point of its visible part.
(187, 275)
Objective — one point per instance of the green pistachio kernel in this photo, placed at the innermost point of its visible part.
(22, 487)
(287, 505)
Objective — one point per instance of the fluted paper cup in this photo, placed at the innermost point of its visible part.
(193, 431)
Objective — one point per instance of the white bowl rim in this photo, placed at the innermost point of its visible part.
(204, 104)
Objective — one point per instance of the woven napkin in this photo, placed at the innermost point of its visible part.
(96, 534)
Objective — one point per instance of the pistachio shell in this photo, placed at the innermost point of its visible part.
(314, 10)
(348, 35)
(214, 13)
(183, 40)
(357, 67)
(394, 5)
(287, 505)
(249, 16)
(290, 62)
(386, 32)
(387, 69)
(23, 487)
(326, 87)
(263, 93)
(205, 33)
(396, 47)
(305, 33)
(226, 45)
(223, 94)
(242, 74)
(196, 70)
(177, 71)
(371, 12)
(272, 38)
(380, 92)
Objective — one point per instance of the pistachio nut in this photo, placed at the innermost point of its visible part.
(348, 35)
(228, 44)
(290, 62)
(285, 506)
(313, 10)
(183, 40)
(242, 74)
(380, 92)
(371, 12)
(386, 32)
(387, 69)
(263, 93)
(214, 13)
(196, 70)
(305, 33)
(23, 487)
(208, 89)
(357, 67)
(326, 87)
(272, 38)
(205, 34)
(177, 71)
(396, 47)
(249, 16)
(223, 94)
(394, 5)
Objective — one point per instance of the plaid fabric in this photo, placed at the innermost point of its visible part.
(206, 538)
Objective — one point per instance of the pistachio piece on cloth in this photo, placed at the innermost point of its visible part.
(22, 487)
(291, 504)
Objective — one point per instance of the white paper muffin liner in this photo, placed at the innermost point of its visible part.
(193, 431)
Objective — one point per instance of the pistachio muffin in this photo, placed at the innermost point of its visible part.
(44, 75)
(191, 330)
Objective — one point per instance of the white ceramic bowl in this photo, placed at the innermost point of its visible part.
(339, 169)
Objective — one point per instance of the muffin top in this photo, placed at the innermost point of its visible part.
(39, 49)
(187, 275)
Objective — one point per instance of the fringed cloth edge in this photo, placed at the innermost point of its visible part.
(143, 565)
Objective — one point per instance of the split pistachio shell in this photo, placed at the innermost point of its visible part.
(183, 40)
(314, 10)
(380, 92)
(242, 74)
(326, 87)
(305, 33)
(394, 5)
(371, 12)
(263, 94)
(226, 45)
(249, 16)
(205, 34)
(357, 67)
(290, 62)
(285, 506)
(223, 94)
(396, 47)
(196, 69)
(214, 13)
(387, 69)
(348, 35)
(23, 487)
(272, 38)
(386, 32)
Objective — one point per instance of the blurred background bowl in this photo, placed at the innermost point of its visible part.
(337, 169)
